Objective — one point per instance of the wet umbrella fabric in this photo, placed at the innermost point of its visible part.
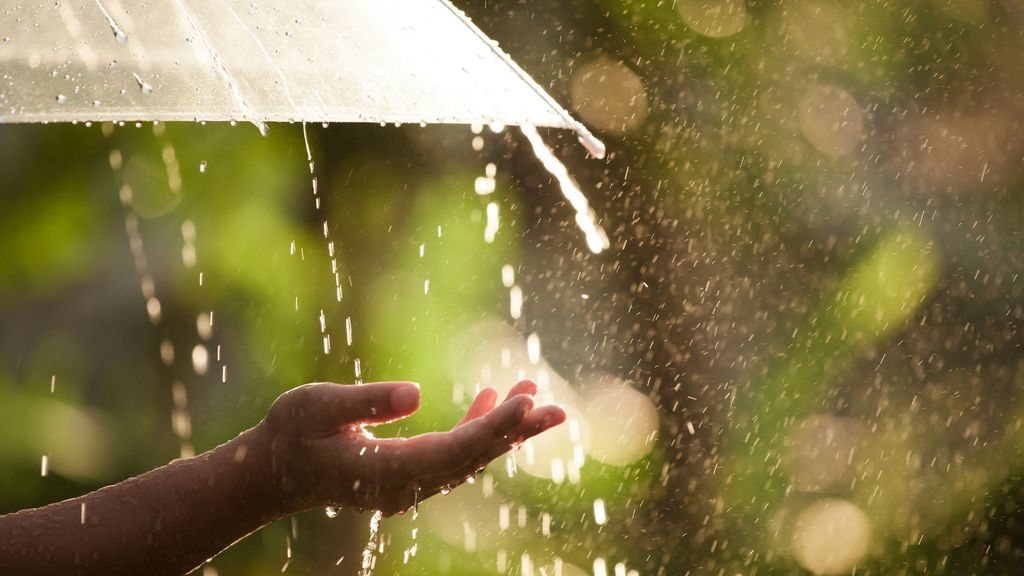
(393, 61)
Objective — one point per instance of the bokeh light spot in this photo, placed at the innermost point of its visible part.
(609, 95)
(628, 422)
(831, 536)
(713, 18)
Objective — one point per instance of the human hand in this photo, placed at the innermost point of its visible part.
(320, 454)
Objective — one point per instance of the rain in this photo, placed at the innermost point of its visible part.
(767, 256)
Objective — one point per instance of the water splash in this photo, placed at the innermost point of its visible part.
(366, 568)
(597, 239)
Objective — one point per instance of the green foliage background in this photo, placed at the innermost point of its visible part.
(754, 281)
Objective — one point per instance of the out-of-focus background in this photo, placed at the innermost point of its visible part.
(800, 354)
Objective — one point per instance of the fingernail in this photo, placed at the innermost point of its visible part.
(405, 398)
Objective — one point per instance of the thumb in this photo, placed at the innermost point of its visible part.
(326, 407)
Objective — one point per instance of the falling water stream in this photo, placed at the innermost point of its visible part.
(585, 219)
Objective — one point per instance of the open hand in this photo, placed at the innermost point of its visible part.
(321, 454)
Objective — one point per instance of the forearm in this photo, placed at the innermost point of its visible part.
(166, 521)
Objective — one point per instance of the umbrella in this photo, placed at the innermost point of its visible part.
(392, 61)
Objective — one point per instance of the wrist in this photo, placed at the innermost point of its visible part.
(262, 454)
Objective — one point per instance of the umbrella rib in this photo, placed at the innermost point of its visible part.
(589, 141)
(221, 68)
(270, 59)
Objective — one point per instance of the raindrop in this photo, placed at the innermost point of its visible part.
(484, 185)
(61, 98)
(508, 275)
(600, 516)
(202, 167)
(143, 85)
(331, 512)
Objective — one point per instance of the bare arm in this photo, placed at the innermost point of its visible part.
(310, 451)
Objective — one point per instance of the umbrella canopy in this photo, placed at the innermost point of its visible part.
(259, 61)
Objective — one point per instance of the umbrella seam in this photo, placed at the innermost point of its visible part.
(218, 63)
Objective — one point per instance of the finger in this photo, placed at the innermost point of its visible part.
(522, 387)
(439, 453)
(536, 422)
(483, 404)
(328, 407)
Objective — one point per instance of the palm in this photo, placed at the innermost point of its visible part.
(329, 458)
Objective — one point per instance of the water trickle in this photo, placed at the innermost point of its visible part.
(119, 32)
(143, 85)
(595, 147)
(597, 239)
(331, 253)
